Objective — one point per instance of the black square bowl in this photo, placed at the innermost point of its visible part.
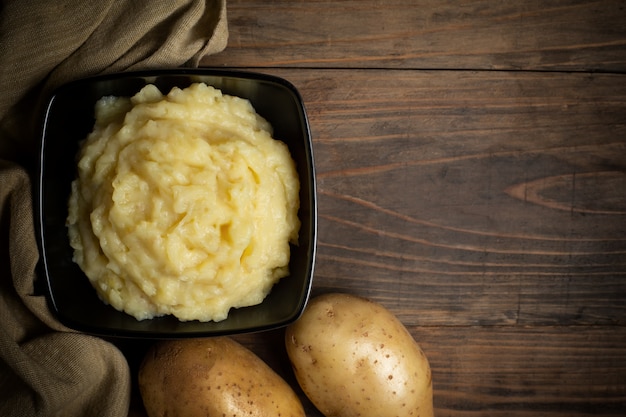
(69, 118)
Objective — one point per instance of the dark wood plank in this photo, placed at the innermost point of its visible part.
(528, 371)
(468, 198)
(487, 210)
(569, 35)
(506, 370)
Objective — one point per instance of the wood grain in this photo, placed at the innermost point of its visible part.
(472, 198)
(486, 210)
(570, 35)
(564, 371)
(471, 167)
(527, 371)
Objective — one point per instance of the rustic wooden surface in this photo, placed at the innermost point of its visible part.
(471, 161)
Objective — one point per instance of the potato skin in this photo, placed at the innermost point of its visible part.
(352, 357)
(212, 377)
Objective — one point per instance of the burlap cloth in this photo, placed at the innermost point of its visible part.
(46, 369)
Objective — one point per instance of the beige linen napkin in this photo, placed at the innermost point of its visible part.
(46, 369)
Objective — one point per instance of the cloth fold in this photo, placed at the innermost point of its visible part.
(45, 368)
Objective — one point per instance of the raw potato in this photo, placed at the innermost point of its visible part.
(352, 357)
(212, 377)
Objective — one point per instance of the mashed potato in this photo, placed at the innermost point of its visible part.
(184, 204)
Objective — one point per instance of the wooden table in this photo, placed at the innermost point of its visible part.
(471, 166)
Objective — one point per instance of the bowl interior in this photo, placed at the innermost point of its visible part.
(69, 119)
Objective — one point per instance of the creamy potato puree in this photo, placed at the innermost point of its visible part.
(184, 204)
